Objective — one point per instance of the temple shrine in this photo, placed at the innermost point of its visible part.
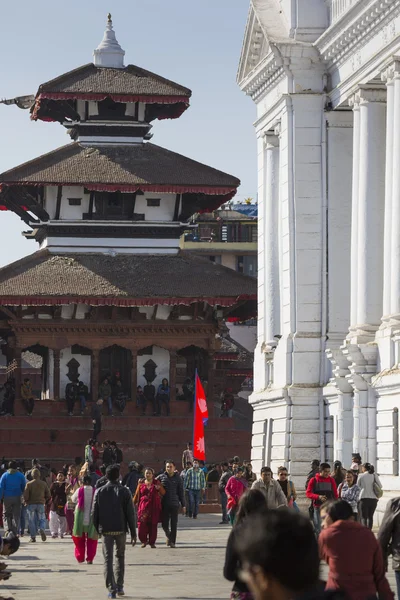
(109, 291)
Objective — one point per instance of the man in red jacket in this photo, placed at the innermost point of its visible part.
(321, 488)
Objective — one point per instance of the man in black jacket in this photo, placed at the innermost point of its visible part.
(96, 418)
(389, 537)
(174, 496)
(112, 516)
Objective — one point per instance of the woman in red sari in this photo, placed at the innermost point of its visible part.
(148, 500)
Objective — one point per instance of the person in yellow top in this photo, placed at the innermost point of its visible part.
(28, 396)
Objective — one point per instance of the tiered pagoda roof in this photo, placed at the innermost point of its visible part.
(44, 278)
(130, 84)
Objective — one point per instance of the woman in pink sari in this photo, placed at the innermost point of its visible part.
(148, 500)
(234, 489)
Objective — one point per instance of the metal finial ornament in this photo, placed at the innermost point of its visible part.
(109, 18)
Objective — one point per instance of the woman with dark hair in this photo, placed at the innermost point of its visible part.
(338, 472)
(163, 396)
(84, 533)
(353, 554)
(235, 489)
(368, 502)
(251, 503)
(148, 501)
(349, 491)
(72, 484)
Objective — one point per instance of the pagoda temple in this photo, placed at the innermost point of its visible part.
(109, 289)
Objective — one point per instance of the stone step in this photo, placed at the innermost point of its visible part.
(110, 423)
(58, 407)
(140, 436)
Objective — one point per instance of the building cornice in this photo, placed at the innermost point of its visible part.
(263, 76)
(354, 28)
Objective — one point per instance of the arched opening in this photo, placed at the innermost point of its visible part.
(152, 365)
(113, 360)
(35, 365)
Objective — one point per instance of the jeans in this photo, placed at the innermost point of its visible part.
(194, 500)
(37, 518)
(109, 405)
(162, 399)
(83, 402)
(114, 581)
(317, 520)
(224, 502)
(12, 513)
(169, 520)
(367, 507)
(24, 519)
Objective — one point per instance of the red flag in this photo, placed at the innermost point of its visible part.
(200, 419)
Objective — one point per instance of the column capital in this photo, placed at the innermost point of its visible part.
(271, 139)
(392, 71)
(354, 101)
(340, 118)
(372, 94)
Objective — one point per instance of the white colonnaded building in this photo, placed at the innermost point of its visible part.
(325, 78)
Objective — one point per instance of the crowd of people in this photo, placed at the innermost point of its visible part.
(275, 552)
(89, 499)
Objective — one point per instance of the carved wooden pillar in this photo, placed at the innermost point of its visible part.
(134, 375)
(210, 378)
(94, 384)
(18, 407)
(172, 375)
(56, 375)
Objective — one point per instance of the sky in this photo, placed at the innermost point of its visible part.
(196, 44)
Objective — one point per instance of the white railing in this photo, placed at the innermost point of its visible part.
(337, 8)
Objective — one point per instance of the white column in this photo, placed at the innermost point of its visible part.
(371, 194)
(355, 104)
(271, 241)
(387, 240)
(395, 216)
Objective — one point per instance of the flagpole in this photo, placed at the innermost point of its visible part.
(194, 408)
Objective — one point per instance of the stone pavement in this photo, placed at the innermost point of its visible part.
(193, 570)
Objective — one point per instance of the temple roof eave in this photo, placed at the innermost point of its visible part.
(97, 279)
(137, 167)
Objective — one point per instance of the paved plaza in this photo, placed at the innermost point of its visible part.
(191, 571)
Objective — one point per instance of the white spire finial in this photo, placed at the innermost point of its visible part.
(109, 53)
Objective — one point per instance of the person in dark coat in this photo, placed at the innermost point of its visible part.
(71, 396)
(97, 418)
(389, 537)
(108, 454)
(149, 392)
(113, 516)
(251, 503)
(173, 498)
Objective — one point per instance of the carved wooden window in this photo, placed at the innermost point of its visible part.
(153, 201)
(114, 205)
